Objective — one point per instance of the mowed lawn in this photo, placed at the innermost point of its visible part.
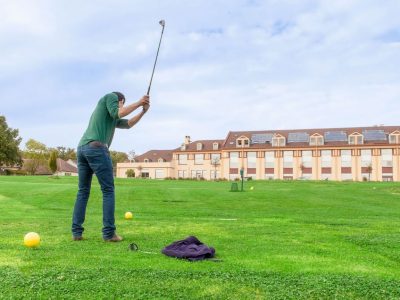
(281, 240)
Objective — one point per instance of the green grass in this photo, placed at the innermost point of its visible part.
(282, 240)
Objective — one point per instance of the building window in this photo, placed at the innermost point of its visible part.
(278, 141)
(394, 138)
(269, 159)
(306, 159)
(316, 141)
(160, 160)
(159, 174)
(198, 159)
(182, 159)
(197, 174)
(234, 160)
(146, 160)
(356, 139)
(288, 159)
(326, 159)
(215, 146)
(181, 174)
(242, 142)
(251, 159)
(215, 174)
(366, 157)
(346, 158)
(387, 158)
(199, 146)
(215, 157)
(346, 172)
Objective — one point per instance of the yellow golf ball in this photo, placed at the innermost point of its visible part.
(128, 215)
(31, 240)
(252, 188)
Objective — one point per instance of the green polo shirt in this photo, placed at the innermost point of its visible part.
(103, 121)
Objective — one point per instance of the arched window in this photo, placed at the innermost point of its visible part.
(316, 140)
(356, 139)
(278, 140)
(243, 141)
(394, 137)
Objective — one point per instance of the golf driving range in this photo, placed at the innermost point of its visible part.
(278, 240)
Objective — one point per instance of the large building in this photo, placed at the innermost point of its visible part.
(358, 154)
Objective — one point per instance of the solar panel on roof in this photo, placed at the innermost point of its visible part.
(335, 136)
(298, 137)
(374, 135)
(261, 138)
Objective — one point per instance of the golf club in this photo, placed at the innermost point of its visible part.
(162, 23)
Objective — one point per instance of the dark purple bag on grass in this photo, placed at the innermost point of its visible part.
(190, 248)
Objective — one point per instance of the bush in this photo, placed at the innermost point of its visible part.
(130, 173)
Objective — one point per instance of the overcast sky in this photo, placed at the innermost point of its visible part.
(223, 65)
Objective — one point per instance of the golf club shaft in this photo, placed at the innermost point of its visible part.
(155, 62)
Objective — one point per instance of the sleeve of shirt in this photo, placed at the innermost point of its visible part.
(122, 124)
(112, 105)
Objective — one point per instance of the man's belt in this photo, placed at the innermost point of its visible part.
(98, 144)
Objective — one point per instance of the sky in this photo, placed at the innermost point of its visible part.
(223, 66)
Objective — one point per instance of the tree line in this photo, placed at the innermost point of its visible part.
(37, 154)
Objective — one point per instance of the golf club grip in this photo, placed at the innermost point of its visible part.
(155, 62)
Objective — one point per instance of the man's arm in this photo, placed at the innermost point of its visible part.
(132, 121)
(126, 110)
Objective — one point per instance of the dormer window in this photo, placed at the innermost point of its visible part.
(183, 147)
(316, 140)
(278, 141)
(394, 137)
(160, 160)
(356, 139)
(242, 142)
(146, 160)
(215, 146)
(199, 146)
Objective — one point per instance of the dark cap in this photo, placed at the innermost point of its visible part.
(121, 96)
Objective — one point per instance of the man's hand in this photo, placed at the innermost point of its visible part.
(146, 107)
(145, 100)
(126, 110)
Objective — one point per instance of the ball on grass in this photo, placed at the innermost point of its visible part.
(128, 215)
(252, 188)
(31, 240)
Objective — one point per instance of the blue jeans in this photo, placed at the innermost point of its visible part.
(94, 159)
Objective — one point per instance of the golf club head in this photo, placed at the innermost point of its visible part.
(162, 23)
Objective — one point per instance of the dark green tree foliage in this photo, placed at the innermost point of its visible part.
(53, 161)
(9, 144)
(130, 173)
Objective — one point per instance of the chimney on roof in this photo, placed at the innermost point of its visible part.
(187, 140)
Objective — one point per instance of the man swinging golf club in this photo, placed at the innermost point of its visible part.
(94, 157)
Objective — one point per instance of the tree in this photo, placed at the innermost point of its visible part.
(37, 153)
(66, 153)
(118, 157)
(215, 162)
(9, 144)
(130, 173)
(53, 161)
(131, 155)
(140, 168)
(369, 171)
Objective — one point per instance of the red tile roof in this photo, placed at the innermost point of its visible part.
(155, 155)
(230, 141)
(63, 166)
